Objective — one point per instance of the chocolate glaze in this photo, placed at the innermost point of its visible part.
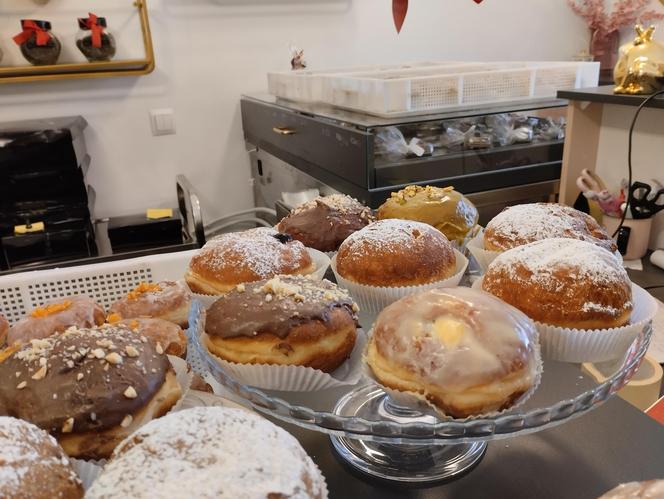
(325, 222)
(96, 401)
(275, 306)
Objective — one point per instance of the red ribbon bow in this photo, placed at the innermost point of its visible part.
(31, 28)
(96, 29)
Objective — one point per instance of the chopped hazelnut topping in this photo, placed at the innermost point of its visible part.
(355, 307)
(21, 385)
(93, 416)
(55, 396)
(268, 298)
(159, 349)
(144, 339)
(106, 367)
(68, 426)
(131, 351)
(114, 358)
(40, 374)
(42, 361)
(240, 288)
(79, 376)
(98, 353)
(70, 364)
(126, 421)
(18, 374)
(130, 393)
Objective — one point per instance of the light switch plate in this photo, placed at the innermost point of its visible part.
(162, 121)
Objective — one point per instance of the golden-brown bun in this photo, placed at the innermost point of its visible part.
(396, 253)
(463, 350)
(650, 489)
(527, 223)
(563, 282)
(167, 300)
(33, 465)
(100, 444)
(326, 221)
(164, 335)
(4, 328)
(444, 208)
(208, 452)
(55, 317)
(249, 256)
(287, 320)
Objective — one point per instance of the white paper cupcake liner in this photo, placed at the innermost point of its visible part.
(595, 345)
(87, 471)
(419, 401)
(373, 299)
(321, 262)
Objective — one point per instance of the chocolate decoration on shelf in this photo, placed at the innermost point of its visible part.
(38, 45)
(96, 44)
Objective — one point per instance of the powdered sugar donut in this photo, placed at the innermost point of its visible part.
(167, 300)
(525, 223)
(210, 452)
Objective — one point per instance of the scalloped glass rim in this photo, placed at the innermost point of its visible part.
(443, 432)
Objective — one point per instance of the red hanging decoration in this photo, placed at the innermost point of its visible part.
(399, 11)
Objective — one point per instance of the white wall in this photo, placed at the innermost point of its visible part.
(211, 51)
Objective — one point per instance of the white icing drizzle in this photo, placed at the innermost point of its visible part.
(495, 335)
(209, 452)
(23, 446)
(258, 249)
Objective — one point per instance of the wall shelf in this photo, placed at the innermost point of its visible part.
(115, 68)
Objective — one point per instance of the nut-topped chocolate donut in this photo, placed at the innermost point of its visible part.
(167, 300)
(248, 256)
(56, 316)
(526, 223)
(89, 388)
(326, 221)
(33, 465)
(287, 320)
(446, 209)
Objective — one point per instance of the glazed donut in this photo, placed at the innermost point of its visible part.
(527, 223)
(4, 328)
(287, 320)
(463, 350)
(325, 222)
(446, 209)
(164, 335)
(240, 257)
(650, 489)
(396, 253)
(89, 388)
(55, 317)
(168, 300)
(563, 282)
(33, 465)
(209, 452)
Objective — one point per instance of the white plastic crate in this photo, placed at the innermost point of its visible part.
(426, 88)
(104, 282)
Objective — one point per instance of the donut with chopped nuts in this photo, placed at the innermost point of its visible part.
(248, 256)
(326, 221)
(210, 452)
(286, 320)
(33, 464)
(56, 316)
(164, 335)
(89, 388)
(168, 300)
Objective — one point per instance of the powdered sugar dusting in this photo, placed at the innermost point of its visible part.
(387, 236)
(339, 202)
(210, 452)
(580, 260)
(263, 250)
(524, 223)
(23, 447)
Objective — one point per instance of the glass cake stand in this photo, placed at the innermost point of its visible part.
(388, 441)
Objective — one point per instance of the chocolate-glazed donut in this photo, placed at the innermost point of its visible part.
(89, 388)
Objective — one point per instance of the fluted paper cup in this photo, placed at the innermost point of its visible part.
(87, 471)
(373, 299)
(483, 256)
(321, 262)
(595, 345)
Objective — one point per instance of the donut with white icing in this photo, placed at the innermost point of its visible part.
(210, 452)
(463, 350)
(167, 300)
(526, 223)
(563, 282)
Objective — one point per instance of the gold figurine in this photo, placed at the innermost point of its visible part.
(640, 68)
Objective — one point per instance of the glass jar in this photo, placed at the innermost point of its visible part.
(93, 40)
(38, 45)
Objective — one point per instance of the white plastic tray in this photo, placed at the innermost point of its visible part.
(104, 282)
